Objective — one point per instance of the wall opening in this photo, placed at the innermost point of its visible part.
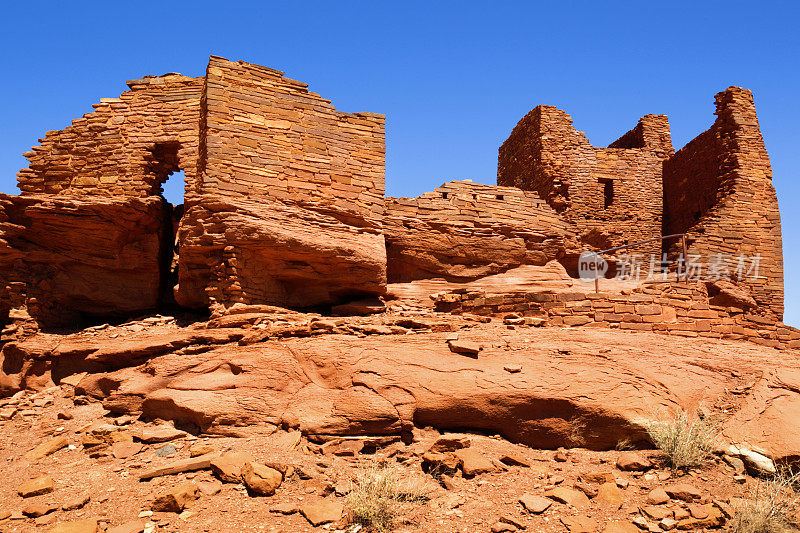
(608, 192)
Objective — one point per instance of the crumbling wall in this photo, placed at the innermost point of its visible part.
(126, 147)
(267, 135)
(611, 195)
(464, 230)
(718, 189)
(290, 203)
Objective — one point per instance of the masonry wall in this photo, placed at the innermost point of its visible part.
(465, 230)
(267, 135)
(718, 189)
(669, 308)
(126, 147)
(611, 195)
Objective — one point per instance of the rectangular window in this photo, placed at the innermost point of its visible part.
(608, 191)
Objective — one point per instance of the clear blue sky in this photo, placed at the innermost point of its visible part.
(453, 78)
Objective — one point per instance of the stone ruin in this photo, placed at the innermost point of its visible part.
(285, 205)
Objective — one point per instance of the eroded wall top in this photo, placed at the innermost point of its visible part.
(126, 147)
(267, 135)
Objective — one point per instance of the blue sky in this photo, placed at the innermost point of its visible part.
(453, 78)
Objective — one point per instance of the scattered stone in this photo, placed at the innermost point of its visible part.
(513, 369)
(210, 488)
(599, 477)
(47, 448)
(560, 456)
(450, 443)
(713, 518)
(515, 459)
(609, 494)
(467, 348)
(569, 496)
(657, 496)
(502, 527)
(74, 379)
(726, 509)
(184, 465)
(261, 479)
(439, 464)
(65, 415)
(322, 511)
(175, 499)
(36, 487)
(734, 462)
(472, 462)
(125, 449)
(196, 450)
(668, 524)
(166, 451)
(620, 527)
(683, 491)
(285, 508)
(133, 526)
(228, 466)
(77, 526)
(579, 524)
(76, 503)
(534, 504)
(640, 522)
(632, 461)
(656, 512)
(590, 490)
(285, 440)
(160, 434)
(37, 509)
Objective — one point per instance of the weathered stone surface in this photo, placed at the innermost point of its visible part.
(683, 491)
(632, 461)
(569, 496)
(53, 245)
(183, 465)
(535, 504)
(47, 447)
(284, 255)
(228, 466)
(175, 499)
(76, 526)
(579, 524)
(474, 462)
(609, 494)
(322, 511)
(36, 487)
(261, 479)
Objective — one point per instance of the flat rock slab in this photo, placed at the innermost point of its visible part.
(579, 524)
(467, 348)
(77, 526)
(535, 504)
(36, 487)
(160, 434)
(568, 496)
(185, 465)
(322, 511)
(47, 448)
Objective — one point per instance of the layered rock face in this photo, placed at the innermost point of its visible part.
(463, 231)
(243, 251)
(76, 255)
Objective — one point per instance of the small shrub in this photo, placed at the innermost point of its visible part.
(379, 494)
(686, 441)
(764, 508)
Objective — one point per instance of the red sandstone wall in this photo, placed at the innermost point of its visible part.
(267, 135)
(126, 146)
(544, 153)
(464, 230)
(718, 188)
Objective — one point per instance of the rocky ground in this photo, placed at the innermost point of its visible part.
(122, 474)
(278, 412)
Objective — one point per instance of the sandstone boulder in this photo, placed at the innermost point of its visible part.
(93, 255)
(175, 499)
(261, 479)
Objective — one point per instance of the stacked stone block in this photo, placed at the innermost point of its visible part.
(267, 135)
(670, 308)
(126, 147)
(718, 188)
(612, 196)
(464, 230)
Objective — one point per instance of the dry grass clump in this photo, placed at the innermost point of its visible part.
(765, 507)
(380, 493)
(686, 441)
